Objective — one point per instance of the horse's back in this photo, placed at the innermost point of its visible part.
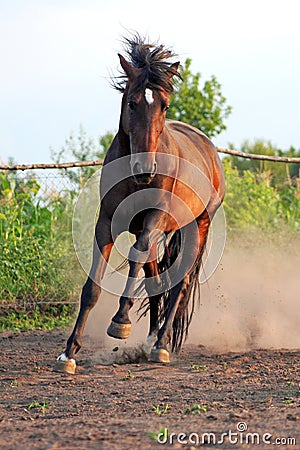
(191, 139)
(194, 146)
(184, 128)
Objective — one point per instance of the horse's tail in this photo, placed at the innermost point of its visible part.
(191, 295)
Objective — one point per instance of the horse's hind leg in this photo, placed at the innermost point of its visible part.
(179, 298)
(153, 287)
(160, 353)
(89, 295)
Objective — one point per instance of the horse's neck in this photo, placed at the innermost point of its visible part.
(124, 142)
(167, 143)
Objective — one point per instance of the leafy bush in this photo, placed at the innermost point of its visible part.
(37, 258)
(36, 319)
(252, 201)
(280, 173)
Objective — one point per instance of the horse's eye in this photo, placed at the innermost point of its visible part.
(132, 104)
(165, 107)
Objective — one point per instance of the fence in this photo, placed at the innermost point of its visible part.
(99, 162)
(52, 180)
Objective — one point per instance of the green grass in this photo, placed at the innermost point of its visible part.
(161, 435)
(37, 320)
(39, 406)
(198, 367)
(196, 409)
(160, 410)
(38, 265)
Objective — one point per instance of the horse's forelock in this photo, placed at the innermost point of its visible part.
(152, 59)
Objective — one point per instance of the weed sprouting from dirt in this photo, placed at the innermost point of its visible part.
(160, 410)
(129, 376)
(197, 367)
(37, 405)
(196, 409)
(161, 436)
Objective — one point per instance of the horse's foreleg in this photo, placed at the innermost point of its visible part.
(89, 296)
(139, 255)
(153, 288)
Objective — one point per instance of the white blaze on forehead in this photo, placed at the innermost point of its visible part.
(149, 96)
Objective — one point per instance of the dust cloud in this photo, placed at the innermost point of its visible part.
(114, 350)
(251, 301)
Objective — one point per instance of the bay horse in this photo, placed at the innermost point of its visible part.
(170, 180)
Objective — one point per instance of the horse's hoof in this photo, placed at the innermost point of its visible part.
(64, 364)
(119, 330)
(159, 355)
(150, 341)
(68, 366)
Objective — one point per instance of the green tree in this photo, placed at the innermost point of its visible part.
(280, 173)
(251, 201)
(204, 108)
(294, 168)
(105, 142)
(80, 147)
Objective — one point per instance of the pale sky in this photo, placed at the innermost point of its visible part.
(56, 56)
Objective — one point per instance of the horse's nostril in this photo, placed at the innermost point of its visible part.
(137, 169)
(143, 173)
(149, 169)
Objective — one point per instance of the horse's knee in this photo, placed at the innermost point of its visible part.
(90, 294)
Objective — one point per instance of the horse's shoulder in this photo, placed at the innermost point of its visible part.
(197, 148)
(193, 137)
(184, 128)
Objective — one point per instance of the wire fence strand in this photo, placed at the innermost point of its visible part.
(99, 162)
(283, 159)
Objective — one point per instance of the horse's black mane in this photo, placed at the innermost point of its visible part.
(153, 59)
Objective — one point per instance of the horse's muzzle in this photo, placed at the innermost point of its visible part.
(144, 175)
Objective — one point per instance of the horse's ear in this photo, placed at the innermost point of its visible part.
(173, 69)
(130, 71)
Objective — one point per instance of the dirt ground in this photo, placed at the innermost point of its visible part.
(112, 406)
